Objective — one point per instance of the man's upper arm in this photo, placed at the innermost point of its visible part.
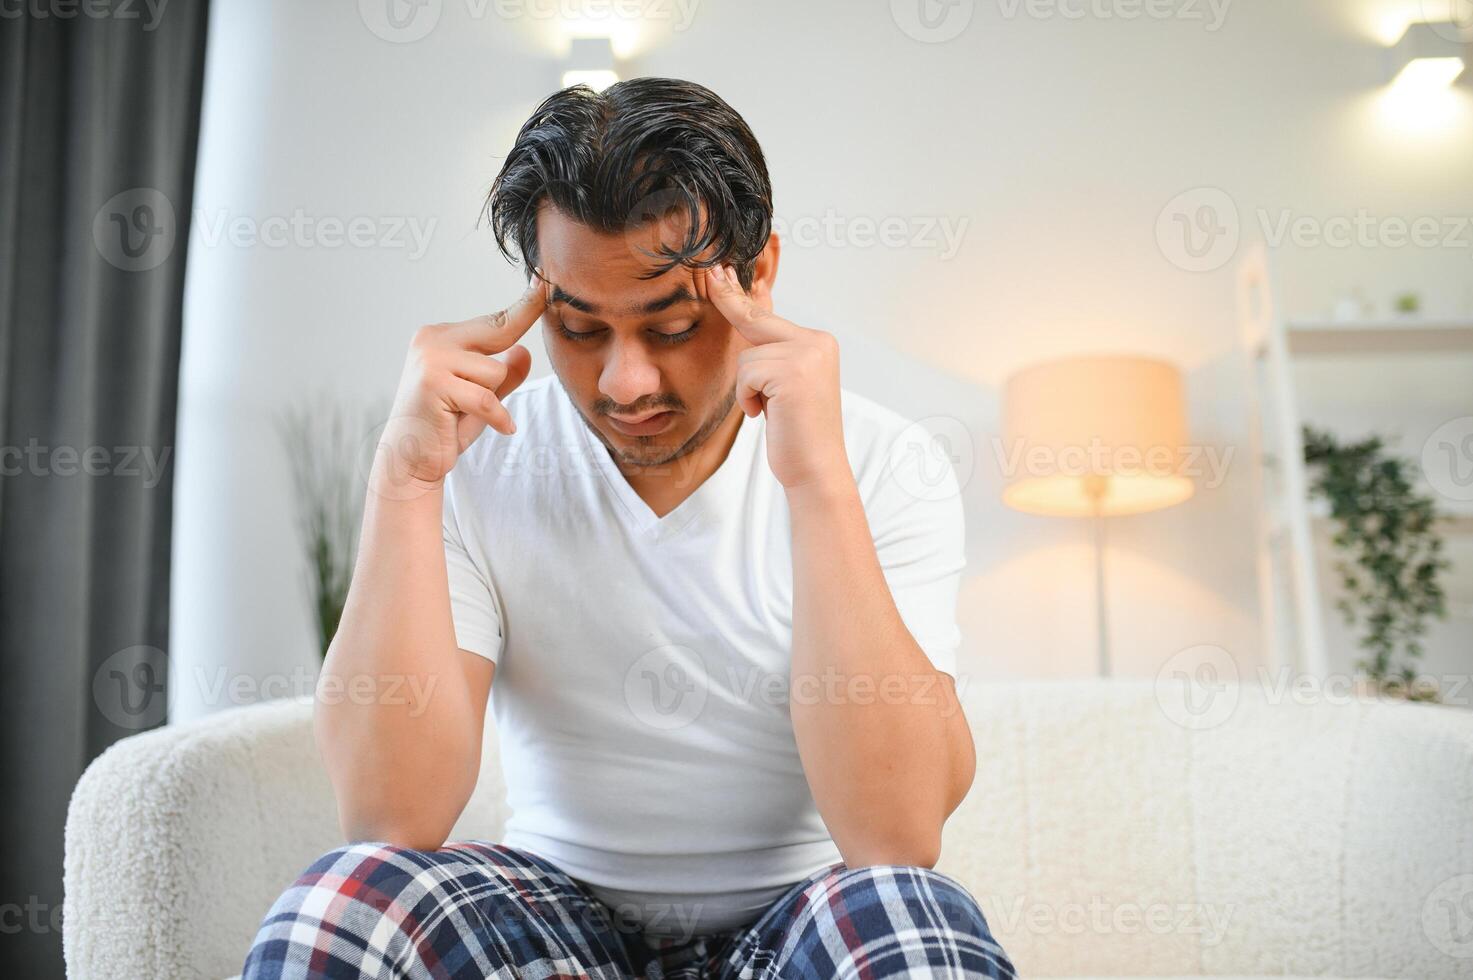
(479, 673)
(920, 540)
(474, 605)
(475, 608)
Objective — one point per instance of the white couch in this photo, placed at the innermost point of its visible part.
(1112, 830)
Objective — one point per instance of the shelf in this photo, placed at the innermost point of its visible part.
(1389, 335)
(1454, 520)
(1450, 523)
(1391, 371)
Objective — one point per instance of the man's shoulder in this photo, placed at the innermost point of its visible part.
(897, 461)
(870, 428)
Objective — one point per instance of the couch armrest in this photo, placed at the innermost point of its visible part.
(178, 840)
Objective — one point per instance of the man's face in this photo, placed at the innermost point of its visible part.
(649, 363)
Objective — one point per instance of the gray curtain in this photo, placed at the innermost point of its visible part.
(99, 119)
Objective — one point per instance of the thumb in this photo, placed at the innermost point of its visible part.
(757, 324)
(518, 361)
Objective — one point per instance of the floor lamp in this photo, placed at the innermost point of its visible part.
(1095, 437)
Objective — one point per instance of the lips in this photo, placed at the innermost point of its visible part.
(649, 424)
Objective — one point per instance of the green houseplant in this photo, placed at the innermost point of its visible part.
(1390, 555)
(324, 443)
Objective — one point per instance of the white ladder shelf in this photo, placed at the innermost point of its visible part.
(1288, 587)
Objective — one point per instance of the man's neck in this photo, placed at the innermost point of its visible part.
(664, 487)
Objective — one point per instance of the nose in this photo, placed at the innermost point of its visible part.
(628, 375)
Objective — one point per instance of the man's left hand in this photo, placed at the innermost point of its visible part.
(792, 374)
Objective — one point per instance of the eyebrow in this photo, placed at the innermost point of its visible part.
(679, 295)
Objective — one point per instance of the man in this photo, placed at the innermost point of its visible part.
(717, 631)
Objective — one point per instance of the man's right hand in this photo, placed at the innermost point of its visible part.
(451, 390)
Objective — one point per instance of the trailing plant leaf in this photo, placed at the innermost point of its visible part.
(323, 448)
(1390, 556)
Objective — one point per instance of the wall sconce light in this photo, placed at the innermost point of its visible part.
(591, 63)
(1428, 56)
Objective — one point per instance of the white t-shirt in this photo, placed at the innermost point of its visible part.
(641, 688)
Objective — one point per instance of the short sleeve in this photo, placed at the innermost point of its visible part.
(919, 531)
(473, 601)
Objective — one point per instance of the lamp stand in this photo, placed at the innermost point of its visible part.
(1095, 487)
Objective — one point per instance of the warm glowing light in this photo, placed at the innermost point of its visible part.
(1428, 56)
(1095, 434)
(1068, 496)
(1421, 99)
(1421, 112)
(590, 62)
(597, 79)
(1388, 24)
(1429, 73)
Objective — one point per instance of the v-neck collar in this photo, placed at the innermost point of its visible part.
(703, 499)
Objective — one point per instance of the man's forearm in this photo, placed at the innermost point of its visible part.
(393, 716)
(878, 727)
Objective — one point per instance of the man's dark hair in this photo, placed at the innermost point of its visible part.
(641, 150)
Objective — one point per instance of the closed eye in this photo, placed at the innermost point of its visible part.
(575, 335)
(676, 338)
(659, 337)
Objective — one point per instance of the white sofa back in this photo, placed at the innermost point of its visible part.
(1114, 828)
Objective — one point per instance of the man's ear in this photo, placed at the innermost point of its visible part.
(764, 272)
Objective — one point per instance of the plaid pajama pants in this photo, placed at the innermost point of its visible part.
(474, 909)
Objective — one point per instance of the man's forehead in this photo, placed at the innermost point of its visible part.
(597, 271)
(630, 302)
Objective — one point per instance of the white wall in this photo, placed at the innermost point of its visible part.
(1053, 141)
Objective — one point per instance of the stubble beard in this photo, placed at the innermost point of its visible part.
(652, 456)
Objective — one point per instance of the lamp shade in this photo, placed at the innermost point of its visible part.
(1101, 434)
